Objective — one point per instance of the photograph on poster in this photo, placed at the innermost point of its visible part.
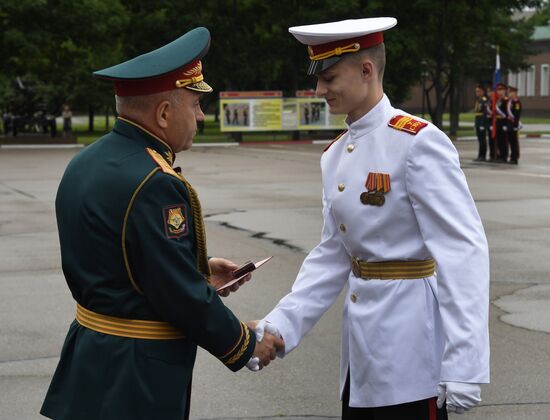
(237, 114)
(312, 113)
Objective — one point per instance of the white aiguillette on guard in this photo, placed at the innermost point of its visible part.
(243, 271)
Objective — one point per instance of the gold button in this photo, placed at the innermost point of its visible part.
(341, 187)
(351, 147)
(353, 297)
(343, 227)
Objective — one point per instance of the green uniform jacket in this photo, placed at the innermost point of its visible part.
(124, 256)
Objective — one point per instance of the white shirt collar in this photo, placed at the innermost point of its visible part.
(372, 119)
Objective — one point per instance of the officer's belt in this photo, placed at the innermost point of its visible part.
(122, 327)
(392, 270)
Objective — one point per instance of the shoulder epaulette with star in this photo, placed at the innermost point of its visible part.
(160, 161)
(335, 140)
(407, 124)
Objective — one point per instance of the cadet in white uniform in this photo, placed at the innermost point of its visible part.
(402, 232)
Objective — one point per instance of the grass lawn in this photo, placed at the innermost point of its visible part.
(212, 132)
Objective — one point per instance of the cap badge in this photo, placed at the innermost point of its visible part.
(193, 76)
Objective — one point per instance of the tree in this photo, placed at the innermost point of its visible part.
(57, 44)
(454, 40)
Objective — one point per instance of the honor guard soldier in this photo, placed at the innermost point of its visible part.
(402, 232)
(502, 123)
(514, 114)
(133, 253)
(480, 110)
(491, 134)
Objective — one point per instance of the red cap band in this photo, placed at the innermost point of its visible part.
(181, 77)
(365, 41)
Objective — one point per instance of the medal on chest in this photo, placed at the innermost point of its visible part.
(377, 185)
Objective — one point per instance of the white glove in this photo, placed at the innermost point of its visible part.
(460, 396)
(262, 327)
(253, 364)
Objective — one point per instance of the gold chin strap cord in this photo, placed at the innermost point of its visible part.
(190, 81)
(337, 51)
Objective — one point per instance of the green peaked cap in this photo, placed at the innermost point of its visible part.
(154, 70)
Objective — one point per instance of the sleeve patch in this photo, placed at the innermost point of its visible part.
(407, 124)
(175, 221)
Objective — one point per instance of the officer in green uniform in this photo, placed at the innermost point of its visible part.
(134, 254)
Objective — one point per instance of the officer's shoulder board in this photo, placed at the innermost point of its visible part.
(161, 162)
(407, 124)
(335, 140)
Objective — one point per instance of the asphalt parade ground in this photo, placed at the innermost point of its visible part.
(266, 200)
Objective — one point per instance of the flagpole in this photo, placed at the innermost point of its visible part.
(496, 80)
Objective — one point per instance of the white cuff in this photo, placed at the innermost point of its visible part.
(460, 396)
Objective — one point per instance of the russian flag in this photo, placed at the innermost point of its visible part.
(496, 80)
(496, 76)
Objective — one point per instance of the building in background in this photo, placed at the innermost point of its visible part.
(533, 83)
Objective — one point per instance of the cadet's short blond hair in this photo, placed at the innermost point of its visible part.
(376, 54)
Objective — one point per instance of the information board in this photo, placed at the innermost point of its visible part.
(269, 111)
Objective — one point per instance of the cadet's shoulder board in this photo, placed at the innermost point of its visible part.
(407, 124)
(335, 140)
(160, 161)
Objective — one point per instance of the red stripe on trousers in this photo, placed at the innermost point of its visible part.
(431, 403)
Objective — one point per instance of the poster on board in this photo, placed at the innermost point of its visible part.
(269, 111)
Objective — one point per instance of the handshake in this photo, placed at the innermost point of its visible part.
(269, 343)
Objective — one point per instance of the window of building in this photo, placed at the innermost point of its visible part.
(544, 80)
(512, 79)
(521, 83)
(530, 81)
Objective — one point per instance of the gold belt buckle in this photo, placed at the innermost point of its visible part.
(356, 266)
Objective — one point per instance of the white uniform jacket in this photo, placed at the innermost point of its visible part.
(400, 338)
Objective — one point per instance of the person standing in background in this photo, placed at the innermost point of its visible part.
(503, 126)
(480, 110)
(514, 114)
(67, 116)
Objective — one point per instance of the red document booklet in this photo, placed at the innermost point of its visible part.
(243, 271)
